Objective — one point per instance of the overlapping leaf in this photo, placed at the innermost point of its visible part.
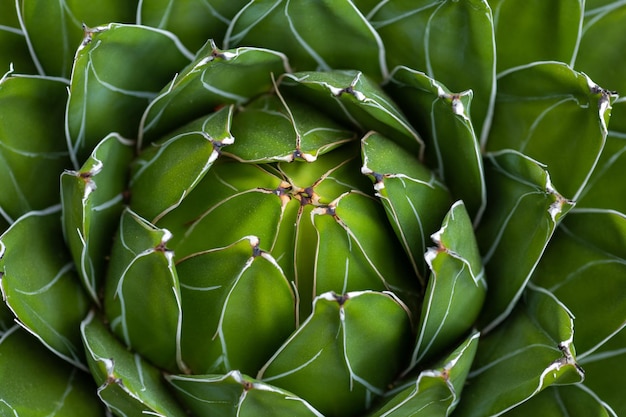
(33, 382)
(414, 199)
(117, 71)
(33, 151)
(128, 384)
(288, 25)
(456, 287)
(435, 392)
(46, 295)
(515, 362)
(213, 79)
(142, 293)
(451, 41)
(92, 200)
(53, 55)
(523, 210)
(226, 287)
(211, 395)
(555, 115)
(443, 120)
(331, 352)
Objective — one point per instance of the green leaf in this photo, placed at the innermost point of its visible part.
(225, 287)
(456, 288)
(355, 250)
(585, 267)
(563, 401)
(523, 210)
(290, 26)
(14, 51)
(437, 391)
(142, 293)
(353, 98)
(517, 360)
(601, 36)
(414, 199)
(328, 360)
(215, 78)
(53, 55)
(166, 172)
(92, 200)
(606, 183)
(33, 150)
(543, 30)
(118, 69)
(45, 295)
(33, 382)
(216, 395)
(193, 21)
(272, 129)
(129, 385)
(604, 373)
(451, 41)
(443, 120)
(550, 100)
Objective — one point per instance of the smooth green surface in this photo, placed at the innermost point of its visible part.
(33, 150)
(33, 382)
(326, 361)
(225, 288)
(46, 295)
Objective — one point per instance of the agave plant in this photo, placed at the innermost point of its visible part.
(312, 208)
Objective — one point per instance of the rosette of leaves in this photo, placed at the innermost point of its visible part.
(321, 208)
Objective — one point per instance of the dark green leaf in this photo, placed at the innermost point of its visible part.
(318, 35)
(33, 382)
(54, 29)
(451, 41)
(33, 150)
(554, 115)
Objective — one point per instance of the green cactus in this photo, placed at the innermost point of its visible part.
(320, 208)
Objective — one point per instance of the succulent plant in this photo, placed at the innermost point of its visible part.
(320, 208)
